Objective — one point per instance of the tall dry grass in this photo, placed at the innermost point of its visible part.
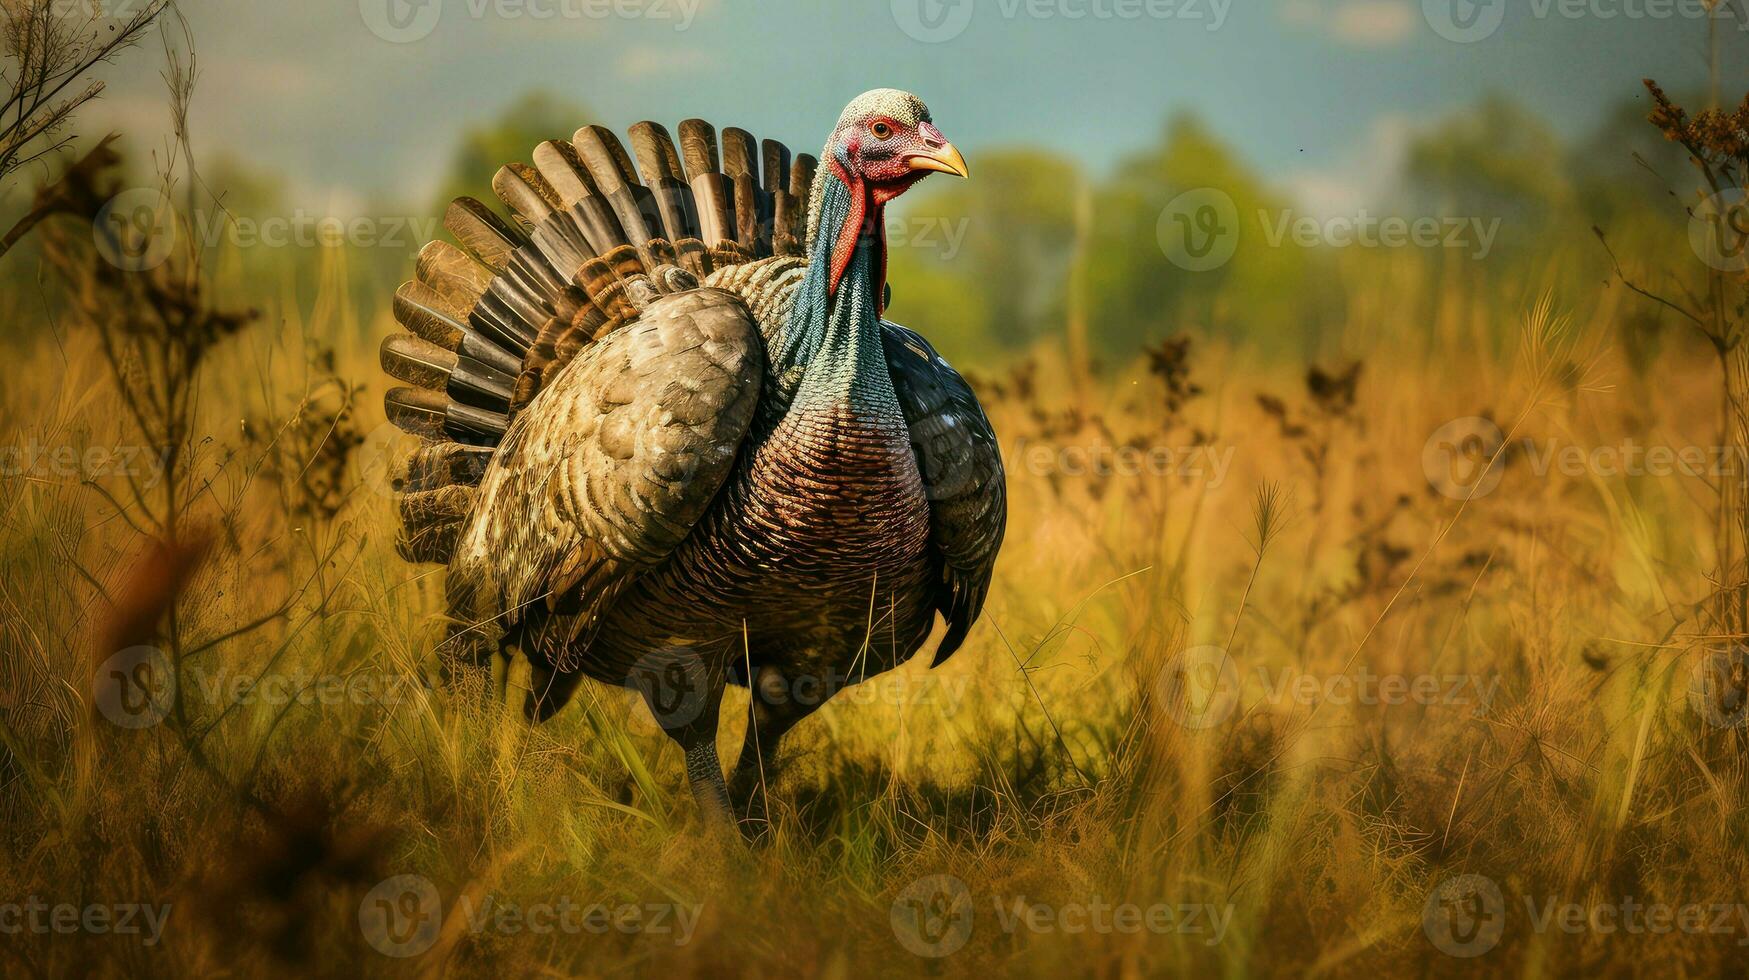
(1115, 732)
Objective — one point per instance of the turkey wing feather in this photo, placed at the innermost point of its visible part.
(608, 469)
(961, 464)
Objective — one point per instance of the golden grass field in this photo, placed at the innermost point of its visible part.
(1257, 721)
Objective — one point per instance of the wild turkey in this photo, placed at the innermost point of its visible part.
(671, 444)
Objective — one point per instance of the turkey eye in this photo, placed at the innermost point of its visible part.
(881, 130)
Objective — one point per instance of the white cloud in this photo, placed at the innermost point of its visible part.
(1362, 23)
(1374, 23)
(645, 61)
(1361, 178)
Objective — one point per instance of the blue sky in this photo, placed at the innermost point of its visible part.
(1319, 95)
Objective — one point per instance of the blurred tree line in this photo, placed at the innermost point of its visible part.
(994, 266)
(1012, 282)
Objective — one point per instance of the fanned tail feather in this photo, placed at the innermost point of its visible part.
(591, 230)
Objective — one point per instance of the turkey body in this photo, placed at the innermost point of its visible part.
(811, 565)
(812, 559)
(672, 445)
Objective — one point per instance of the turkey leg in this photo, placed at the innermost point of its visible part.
(685, 697)
(773, 709)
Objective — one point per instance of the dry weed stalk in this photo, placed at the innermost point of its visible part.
(48, 48)
(142, 290)
(1717, 142)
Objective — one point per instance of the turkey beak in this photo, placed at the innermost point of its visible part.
(943, 158)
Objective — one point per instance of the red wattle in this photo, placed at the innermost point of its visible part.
(865, 207)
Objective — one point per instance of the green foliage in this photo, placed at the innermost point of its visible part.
(991, 266)
(1136, 294)
(985, 262)
(1495, 160)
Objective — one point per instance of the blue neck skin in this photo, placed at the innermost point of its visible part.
(835, 337)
